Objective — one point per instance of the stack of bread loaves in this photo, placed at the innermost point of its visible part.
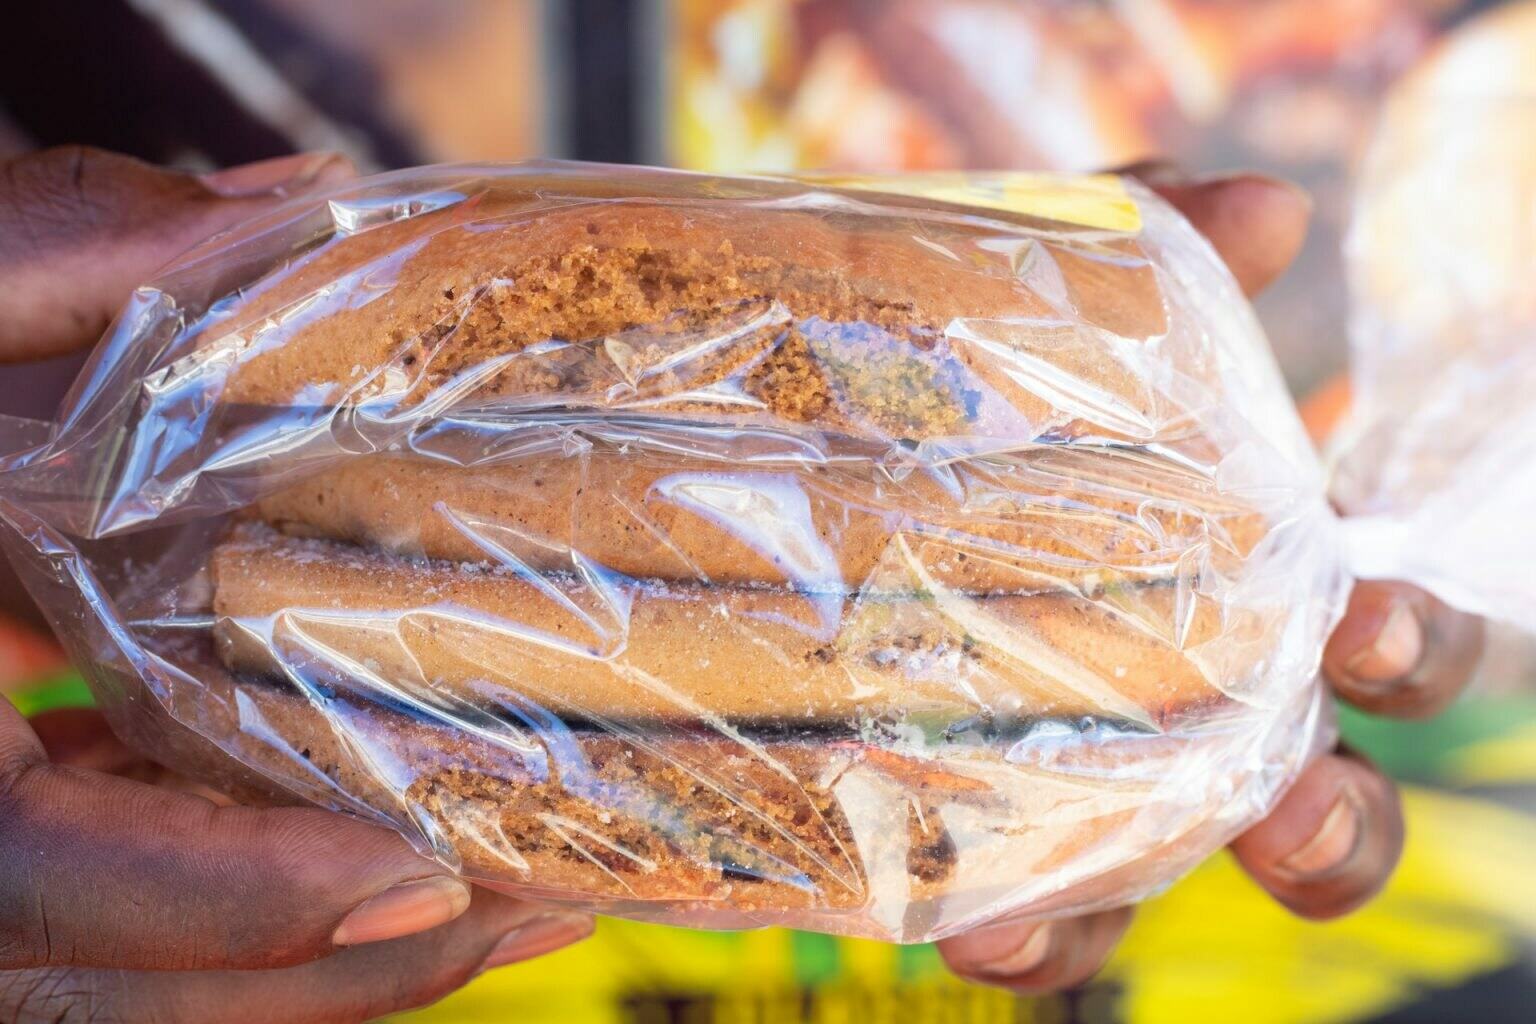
(741, 551)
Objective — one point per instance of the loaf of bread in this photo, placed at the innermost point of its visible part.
(656, 651)
(800, 827)
(1044, 520)
(872, 327)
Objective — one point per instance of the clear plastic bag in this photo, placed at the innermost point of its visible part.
(876, 557)
(1436, 464)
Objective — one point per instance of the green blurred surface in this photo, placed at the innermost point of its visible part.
(65, 690)
(1425, 751)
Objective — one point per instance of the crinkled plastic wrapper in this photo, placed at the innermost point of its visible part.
(1436, 465)
(876, 557)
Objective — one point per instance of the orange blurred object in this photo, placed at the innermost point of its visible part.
(26, 654)
(464, 79)
(1322, 410)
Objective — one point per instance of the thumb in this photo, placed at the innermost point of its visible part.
(100, 871)
(1256, 223)
(81, 228)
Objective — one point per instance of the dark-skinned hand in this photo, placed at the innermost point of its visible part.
(127, 895)
(1333, 840)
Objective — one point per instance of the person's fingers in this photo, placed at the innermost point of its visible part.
(1037, 957)
(281, 177)
(1332, 841)
(1256, 223)
(357, 984)
(97, 870)
(1400, 651)
(81, 738)
(81, 228)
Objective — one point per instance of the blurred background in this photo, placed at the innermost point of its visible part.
(1298, 88)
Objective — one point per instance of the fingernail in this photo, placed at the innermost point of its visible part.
(1030, 954)
(1334, 843)
(281, 176)
(1393, 653)
(537, 936)
(404, 909)
(1225, 186)
(1295, 191)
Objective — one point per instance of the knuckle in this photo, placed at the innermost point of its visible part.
(58, 995)
(1450, 658)
(69, 192)
(411, 993)
(1455, 641)
(13, 771)
(63, 182)
(25, 940)
(284, 843)
(1066, 970)
(441, 964)
(1325, 903)
(1415, 700)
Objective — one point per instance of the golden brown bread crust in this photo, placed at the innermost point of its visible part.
(603, 815)
(877, 326)
(947, 828)
(1041, 520)
(681, 652)
(694, 816)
